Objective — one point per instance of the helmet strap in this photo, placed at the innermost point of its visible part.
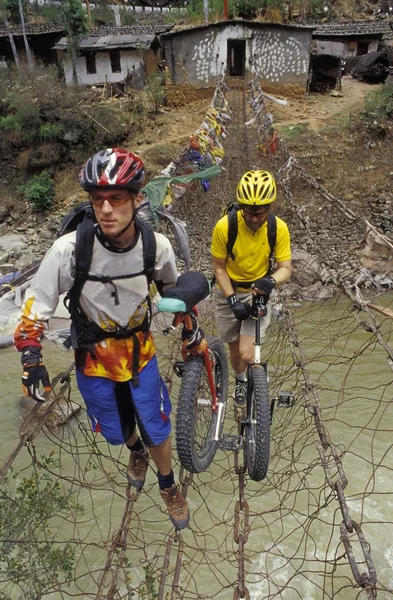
(130, 223)
(125, 228)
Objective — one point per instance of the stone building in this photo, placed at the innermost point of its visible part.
(278, 54)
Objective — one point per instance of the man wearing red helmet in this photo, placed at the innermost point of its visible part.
(116, 365)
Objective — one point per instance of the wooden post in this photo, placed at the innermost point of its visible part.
(226, 13)
(88, 8)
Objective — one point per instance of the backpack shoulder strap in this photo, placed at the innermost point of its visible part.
(84, 247)
(272, 238)
(75, 216)
(149, 245)
(232, 230)
(83, 256)
(272, 233)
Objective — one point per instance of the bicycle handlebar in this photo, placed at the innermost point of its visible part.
(259, 302)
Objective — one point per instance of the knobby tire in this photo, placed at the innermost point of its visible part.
(257, 439)
(196, 422)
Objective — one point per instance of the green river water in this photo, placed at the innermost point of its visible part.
(288, 552)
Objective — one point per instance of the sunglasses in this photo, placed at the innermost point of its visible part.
(255, 213)
(115, 200)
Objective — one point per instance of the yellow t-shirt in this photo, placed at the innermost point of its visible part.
(251, 249)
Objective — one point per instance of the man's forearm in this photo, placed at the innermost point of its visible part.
(224, 282)
(281, 275)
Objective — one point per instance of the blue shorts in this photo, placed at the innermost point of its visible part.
(115, 408)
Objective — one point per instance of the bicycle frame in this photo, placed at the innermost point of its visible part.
(258, 310)
(201, 348)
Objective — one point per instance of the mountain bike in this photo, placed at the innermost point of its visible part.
(256, 426)
(204, 384)
(254, 430)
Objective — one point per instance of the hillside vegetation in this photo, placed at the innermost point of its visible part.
(301, 11)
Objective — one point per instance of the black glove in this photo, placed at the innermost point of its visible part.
(265, 284)
(34, 372)
(241, 310)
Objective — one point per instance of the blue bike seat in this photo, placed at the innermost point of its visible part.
(172, 305)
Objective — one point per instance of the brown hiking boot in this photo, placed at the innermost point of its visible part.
(137, 468)
(177, 506)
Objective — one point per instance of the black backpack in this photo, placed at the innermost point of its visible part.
(231, 210)
(81, 219)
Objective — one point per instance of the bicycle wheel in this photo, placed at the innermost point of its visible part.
(257, 438)
(195, 420)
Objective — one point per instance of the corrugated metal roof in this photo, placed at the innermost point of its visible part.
(107, 42)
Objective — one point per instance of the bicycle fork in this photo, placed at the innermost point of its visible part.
(217, 406)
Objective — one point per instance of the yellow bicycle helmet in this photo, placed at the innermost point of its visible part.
(256, 188)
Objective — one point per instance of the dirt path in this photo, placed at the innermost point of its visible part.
(168, 131)
(318, 110)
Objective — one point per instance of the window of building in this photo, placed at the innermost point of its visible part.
(115, 61)
(91, 67)
(362, 48)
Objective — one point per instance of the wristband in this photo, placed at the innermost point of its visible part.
(270, 278)
(232, 299)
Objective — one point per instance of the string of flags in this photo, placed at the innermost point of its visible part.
(199, 162)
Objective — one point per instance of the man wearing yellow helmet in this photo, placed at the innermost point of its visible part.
(246, 269)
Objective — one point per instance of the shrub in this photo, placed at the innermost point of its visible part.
(247, 9)
(31, 558)
(50, 132)
(40, 191)
(378, 105)
(102, 15)
(49, 13)
(127, 17)
(155, 89)
(9, 123)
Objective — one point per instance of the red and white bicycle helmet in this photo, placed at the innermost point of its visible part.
(113, 167)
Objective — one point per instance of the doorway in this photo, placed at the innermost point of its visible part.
(236, 57)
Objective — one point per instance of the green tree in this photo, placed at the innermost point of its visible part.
(74, 18)
(4, 14)
(12, 7)
(26, 42)
(247, 9)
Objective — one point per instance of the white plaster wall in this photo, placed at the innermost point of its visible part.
(130, 62)
(275, 55)
(271, 54)
(214, 44)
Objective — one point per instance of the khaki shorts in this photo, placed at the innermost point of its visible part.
(228, 327)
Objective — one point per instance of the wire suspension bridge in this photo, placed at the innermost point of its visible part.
(310, 529)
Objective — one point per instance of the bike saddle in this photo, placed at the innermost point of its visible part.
(190, 289)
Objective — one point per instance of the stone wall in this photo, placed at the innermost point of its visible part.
(180, 95)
